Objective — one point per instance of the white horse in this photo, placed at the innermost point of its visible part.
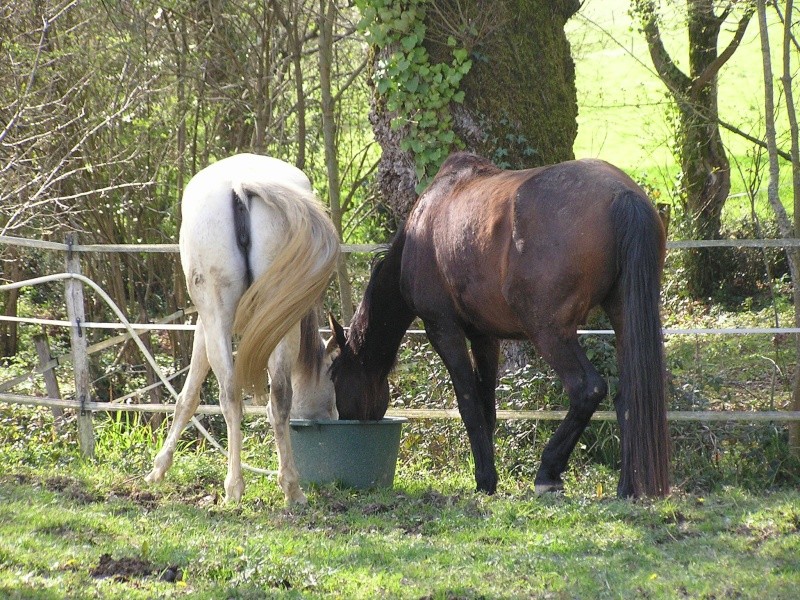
(257, 251)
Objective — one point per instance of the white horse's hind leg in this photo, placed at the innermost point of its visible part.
(185, 406)
(232, 410)
(220, 355)
(288, 478)
(280, 406)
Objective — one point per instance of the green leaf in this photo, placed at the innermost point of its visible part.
(409, 42)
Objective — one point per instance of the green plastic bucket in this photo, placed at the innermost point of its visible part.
(355, 454)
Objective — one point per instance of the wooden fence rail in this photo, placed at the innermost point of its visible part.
(80, 351)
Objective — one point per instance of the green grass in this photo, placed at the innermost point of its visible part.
(76, 529)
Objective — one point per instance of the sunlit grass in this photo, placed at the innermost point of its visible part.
(431, 536)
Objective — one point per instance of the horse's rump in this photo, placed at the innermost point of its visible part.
(289, 283)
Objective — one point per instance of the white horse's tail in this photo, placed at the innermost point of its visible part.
(292, 284)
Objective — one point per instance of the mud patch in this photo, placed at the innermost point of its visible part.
(73, 489)
(125, 569)
(142, 498)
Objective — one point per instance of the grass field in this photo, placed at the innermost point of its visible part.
(74, 529)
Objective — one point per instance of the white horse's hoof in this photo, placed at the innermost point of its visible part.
(296, 498)
(234, 490)
(161, 465)
(154, 476)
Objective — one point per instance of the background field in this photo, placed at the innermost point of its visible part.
(623, 104)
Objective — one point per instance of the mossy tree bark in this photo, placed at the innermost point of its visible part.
(520, 105)
(520, 101)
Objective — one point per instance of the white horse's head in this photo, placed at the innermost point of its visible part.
(312, 393)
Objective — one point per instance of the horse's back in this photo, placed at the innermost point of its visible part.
(456, 245)
(243, 166)
(208, 241)
(500, 244)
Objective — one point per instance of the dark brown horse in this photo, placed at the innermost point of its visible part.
(488, 254)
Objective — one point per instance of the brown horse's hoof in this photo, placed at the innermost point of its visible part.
(488, 487)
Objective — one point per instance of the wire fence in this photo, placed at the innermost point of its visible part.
(80, 351)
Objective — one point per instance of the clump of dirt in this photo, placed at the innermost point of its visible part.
(121, 569)
(73, 489)
(125, 569)
(144, 498)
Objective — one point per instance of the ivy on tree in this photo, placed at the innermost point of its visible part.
(418, 92)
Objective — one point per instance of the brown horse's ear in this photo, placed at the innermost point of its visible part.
(338, 331)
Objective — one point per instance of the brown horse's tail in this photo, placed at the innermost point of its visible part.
(641, 403)
(293, 282)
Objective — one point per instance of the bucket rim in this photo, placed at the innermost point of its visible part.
(334, 422)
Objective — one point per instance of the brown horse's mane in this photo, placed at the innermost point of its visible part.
(382, 317)
(358, 326)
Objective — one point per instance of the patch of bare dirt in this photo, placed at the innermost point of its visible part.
(125, 569)
(73, 489)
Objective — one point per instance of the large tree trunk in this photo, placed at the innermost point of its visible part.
(520, 102)
(520, 105)
(705, 166)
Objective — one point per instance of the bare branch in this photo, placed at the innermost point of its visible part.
(711, 71)
(675, 79)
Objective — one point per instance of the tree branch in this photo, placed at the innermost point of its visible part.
(711, 71)
(761, 143)
(667, 70)
(783, 22)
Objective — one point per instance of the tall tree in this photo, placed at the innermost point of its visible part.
(494, 77)
(706, 173)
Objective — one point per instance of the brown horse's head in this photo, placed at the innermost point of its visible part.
(362, 392)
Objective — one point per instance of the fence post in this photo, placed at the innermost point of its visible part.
(50, 381)
(80, 357)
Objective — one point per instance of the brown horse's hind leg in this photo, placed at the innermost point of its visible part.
(450, 343)
(585, 387)
(486, 352)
